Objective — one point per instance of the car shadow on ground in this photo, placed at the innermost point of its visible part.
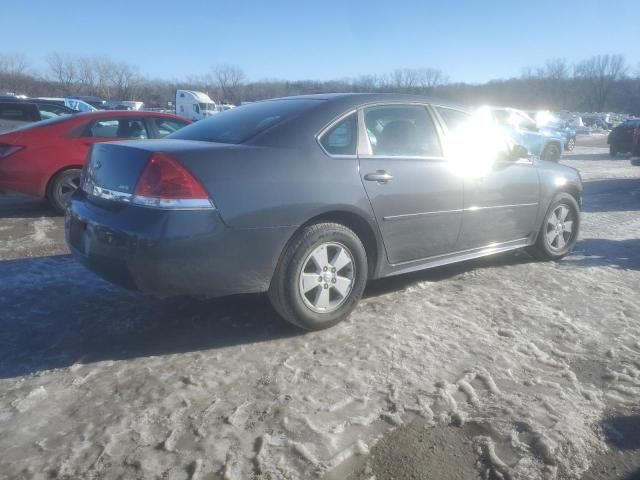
(633, 476)
(398, 282)
(54, 313)
(602, 252)
(21, 206)
(592, 156)
(621, 432)
(612, 195)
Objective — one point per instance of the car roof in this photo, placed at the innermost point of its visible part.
(125, 113)
(355, 99)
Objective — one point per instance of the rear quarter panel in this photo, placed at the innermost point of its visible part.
(257, 186)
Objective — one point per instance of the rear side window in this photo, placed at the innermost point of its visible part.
(242, 123)
(453, 119)
(341, 138)
(401, 131)
(167, 126)
(132, 128)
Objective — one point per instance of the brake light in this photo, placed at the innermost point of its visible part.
(166, 183)
(6, 150)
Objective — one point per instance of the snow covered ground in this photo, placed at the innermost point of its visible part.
(529, 358)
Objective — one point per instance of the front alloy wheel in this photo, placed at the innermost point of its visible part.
(560, 227)
(559, 231)
(320, 277)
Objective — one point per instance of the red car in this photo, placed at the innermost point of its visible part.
(45, 158)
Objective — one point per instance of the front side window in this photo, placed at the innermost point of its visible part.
(401, 131)
(118, 128)
(341, 138)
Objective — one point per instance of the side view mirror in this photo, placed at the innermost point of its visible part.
(518, 152)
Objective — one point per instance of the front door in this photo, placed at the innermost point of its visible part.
(500, 195)
(501, 205)
(416, 198)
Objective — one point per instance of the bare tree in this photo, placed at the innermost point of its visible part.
(13, 63)
(125, 80)
(429, 78)
(64, 70)
(405, 78)
(557, 69)
(229, 79)
(13, 71)
(86, 75)
(598, 75)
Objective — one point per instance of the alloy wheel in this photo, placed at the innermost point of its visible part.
(65, 189)
(559, 231)
(327, 277)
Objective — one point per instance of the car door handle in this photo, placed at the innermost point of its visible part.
(379, 176)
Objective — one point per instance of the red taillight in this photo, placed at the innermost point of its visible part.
(6, 150)
(165, 179)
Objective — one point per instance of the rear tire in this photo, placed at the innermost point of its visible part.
(551, 153)
(559, 230)
(320, 277)
(61, 187)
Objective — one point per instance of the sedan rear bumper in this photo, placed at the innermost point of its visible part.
(171, 253)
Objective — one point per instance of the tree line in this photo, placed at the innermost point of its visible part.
(595, 84)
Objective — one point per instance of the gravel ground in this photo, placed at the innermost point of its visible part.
(497, 368)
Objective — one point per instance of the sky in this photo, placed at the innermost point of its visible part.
(470, 41)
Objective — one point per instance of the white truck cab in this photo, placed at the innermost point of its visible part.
(194, 105)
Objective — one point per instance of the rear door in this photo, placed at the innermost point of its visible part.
(416, 198)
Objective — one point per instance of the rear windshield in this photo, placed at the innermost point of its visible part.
(238, 125)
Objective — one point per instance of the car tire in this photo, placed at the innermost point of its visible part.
(571, 144)
(61, 187)
(556, 241)
(307, 289)
(613, 150)
(551, 153)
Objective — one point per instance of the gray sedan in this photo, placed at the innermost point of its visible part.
(308, 197)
